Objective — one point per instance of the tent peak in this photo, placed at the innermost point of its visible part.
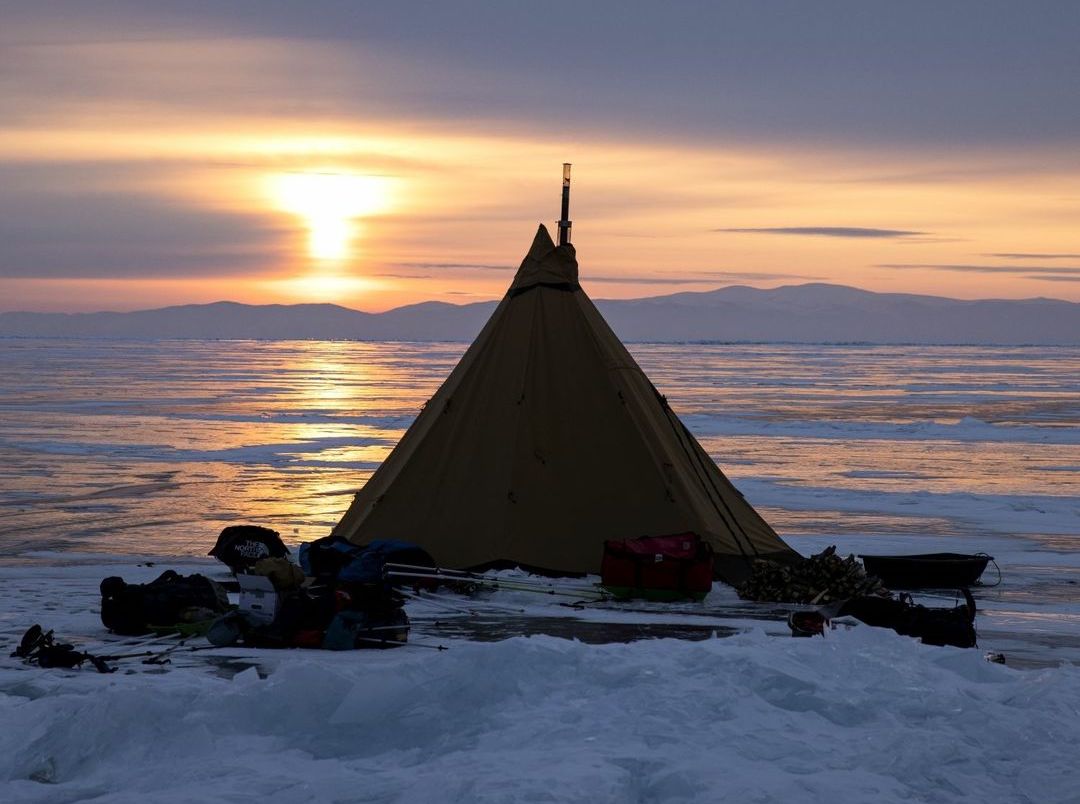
(542, 242)
(547, 264)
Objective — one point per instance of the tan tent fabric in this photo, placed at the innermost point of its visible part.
(547, 439)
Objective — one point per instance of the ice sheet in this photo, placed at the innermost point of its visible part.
(115, 455)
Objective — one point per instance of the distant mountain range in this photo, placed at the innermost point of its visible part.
(810, 313)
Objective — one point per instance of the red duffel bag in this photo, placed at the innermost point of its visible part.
(658, 567)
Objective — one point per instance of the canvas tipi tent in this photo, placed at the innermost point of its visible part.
(546, 440)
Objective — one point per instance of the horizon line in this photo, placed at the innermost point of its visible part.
(498, 298)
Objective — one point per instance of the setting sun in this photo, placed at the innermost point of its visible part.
(330, 202)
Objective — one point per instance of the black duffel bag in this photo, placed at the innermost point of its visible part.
(135, 609)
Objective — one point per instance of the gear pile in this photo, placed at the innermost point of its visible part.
(823, 578)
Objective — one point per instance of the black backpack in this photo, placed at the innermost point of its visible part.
(133, 609)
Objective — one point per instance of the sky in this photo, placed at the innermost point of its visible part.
(374, 155)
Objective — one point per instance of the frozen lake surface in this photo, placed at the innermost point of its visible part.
(115, 453)
(153, 447)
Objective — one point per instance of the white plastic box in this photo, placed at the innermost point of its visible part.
(258, 598)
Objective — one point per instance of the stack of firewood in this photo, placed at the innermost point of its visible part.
(823, 578)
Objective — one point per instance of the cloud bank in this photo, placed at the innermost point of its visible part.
(825, 231)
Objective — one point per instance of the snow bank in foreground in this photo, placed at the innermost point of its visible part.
(860, 716)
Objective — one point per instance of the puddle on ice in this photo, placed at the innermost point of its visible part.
(497, 628)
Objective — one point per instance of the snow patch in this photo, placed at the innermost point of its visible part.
(859, 716)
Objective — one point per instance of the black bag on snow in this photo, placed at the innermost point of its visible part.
(241, 546)
(951, 626)
(132, 609)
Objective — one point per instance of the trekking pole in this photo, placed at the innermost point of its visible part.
(479, 606)
(444, 606)
(491, 583)
(174, 650)
(401, 644)
(156, 657)
(465, 575)
(137, 643)
(441, 573)
(577, 593)
(430, 570)
(508, 585)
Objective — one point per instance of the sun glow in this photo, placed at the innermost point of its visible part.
(330, 203)
(324, 287)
